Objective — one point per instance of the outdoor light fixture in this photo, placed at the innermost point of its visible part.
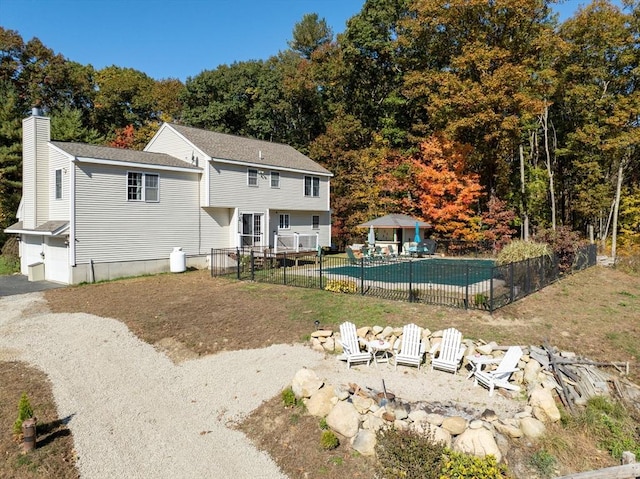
(317, 323)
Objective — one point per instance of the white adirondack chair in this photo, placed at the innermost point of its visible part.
(411, 348)
(447, 354)
(500, 376)
(351, 346)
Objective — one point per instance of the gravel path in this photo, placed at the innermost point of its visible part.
(135, 414)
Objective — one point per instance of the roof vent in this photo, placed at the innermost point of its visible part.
(35, 111)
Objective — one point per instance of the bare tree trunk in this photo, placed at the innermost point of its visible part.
(606, 228)
(616, 208)
(544, 121)
(525, 212)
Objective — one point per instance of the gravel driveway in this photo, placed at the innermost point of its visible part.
(135, 414)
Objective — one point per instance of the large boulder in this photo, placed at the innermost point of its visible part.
(454, 425)
(344, 419)
(320, 404)
(478, 442)
(531, 427)
(365, 442)
(544, 405)
(305, 383)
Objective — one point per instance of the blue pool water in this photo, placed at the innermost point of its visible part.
(456, 272)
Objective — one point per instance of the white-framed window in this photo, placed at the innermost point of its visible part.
(275, 179)
(58, 186)
(252, 177)
(143, 186)
(284, 223)
(315, 222)
(151, 191)
(311, 186)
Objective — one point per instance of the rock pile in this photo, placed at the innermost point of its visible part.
(357, 413)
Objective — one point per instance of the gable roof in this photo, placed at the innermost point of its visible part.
(82, 150)
(395, 221)
(222, 146)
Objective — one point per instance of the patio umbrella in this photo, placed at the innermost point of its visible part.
(372, 236)
(417, 238)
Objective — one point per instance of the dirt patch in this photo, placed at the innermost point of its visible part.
(54, 455)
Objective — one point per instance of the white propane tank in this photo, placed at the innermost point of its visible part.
(177, 260)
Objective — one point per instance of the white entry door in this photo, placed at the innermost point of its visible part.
(252, 229)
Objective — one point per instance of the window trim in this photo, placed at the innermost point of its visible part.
(142, 187)
(57, 186)
(314, 186)
(287, 217)
(253, 171)
(274, 175)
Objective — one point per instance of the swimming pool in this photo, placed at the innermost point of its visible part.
(455, 272)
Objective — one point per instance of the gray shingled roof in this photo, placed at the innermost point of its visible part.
(118, 154)
(395, 221)
(53, 227)
(236, 148)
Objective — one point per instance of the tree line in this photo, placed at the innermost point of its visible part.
(484, 118)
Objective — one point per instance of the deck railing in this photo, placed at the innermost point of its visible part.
(467, 283)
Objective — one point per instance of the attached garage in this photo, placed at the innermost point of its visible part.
(56, 259)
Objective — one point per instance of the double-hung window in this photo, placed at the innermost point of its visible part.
(315, 222)
(284, 222)
(275, 179)
(58, 184)
(252, 177)
(311, 186)
(143, 186)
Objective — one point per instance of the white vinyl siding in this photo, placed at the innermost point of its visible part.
(229, 190)
(59, 208)
(110, 228)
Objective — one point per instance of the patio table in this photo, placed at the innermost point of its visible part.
(380, 350)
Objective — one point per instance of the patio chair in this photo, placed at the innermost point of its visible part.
(351, 346)
(393, 254)
(412, 347)
(500, 376)
(447, 354)
(353, 259)
(430, 246)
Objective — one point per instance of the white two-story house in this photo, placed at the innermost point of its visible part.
(90, 213)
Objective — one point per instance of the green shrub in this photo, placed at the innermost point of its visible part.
(323, 424)
(519, 250)
(456, 465)
(289, 398)
(25, 411)
(328, 440)
(409, 455)
(341, 286)
(613, 425)
(9, 264)
(544, 462)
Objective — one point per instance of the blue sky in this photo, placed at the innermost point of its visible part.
(174, 38)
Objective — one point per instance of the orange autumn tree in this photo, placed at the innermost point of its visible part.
(436, 186)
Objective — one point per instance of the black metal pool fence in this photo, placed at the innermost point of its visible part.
(451, 281)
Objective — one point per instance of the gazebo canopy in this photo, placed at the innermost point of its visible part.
(395, 221)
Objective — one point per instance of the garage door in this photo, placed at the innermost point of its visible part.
(56, 260)
(30, 249)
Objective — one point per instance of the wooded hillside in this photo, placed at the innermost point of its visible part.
(421, 107)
